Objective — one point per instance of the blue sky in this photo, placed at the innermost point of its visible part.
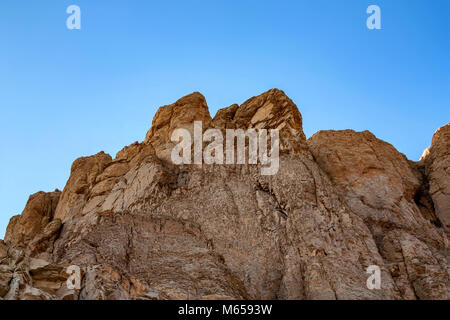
(71, 93)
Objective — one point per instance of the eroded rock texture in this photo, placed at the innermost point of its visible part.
(36, 224)
(380, 185)
(436, 160)
(141, 227)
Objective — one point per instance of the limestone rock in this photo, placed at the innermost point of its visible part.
(3, 249)
(270, 110)
(224, 117)
(377, 181)
(380, 185)
(437, 165)
(223, 231)
(43, 241)
(140, 227)
(25, 278)
(83, 175)
(37, 214)
(5, 270)
(181, 114)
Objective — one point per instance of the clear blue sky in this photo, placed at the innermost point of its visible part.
(66, 94)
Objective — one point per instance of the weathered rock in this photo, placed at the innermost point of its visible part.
(181, 114)
(25, 278)
(141, 227)
(423, 198)
(43, 242)
(437, 166)
(380, 185)
(225, 230)
(82, 178)
(224, 117)
(5, 270)
(3, 249)
(37, 214)
(271, 110)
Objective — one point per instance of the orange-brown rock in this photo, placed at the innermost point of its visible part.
(141, 227)
(224, 230)
(271, 110)
(38, 213)
(25, 278)
(437, 165)
(379, 184)
(83, 176)
(181, 114)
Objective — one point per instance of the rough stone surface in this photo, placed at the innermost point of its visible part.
(140, 227)
(25, 278)
(436, 160)
(181, 114)
(83, 176)
(38, 213)
(380, 185)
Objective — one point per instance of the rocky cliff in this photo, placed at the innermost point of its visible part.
(141, 227)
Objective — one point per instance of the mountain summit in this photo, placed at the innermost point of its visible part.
(140, 227)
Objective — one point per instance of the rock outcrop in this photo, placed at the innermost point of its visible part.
(380, 185)
(26, 278)
(181, 114)
(36, 221)
(141, 227)
(436, 161)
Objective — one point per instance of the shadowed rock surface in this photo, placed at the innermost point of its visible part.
(140, 227)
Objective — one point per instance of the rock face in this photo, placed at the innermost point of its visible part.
(35, 220)
(141, 227)
(26, 278)
(181, 114)
(380, 185)
(436, 160)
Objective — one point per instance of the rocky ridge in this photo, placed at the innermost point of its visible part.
(140, 227)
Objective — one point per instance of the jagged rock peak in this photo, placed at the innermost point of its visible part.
(441, 137)
(185, 111)
(38, 213)
(372, 175)
(140, 227)
(442, 134)
(83, 176)
(273, 110)
(270, 110)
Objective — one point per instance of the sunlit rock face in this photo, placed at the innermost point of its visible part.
(140, 227)
(436, 160)
(381, 186)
